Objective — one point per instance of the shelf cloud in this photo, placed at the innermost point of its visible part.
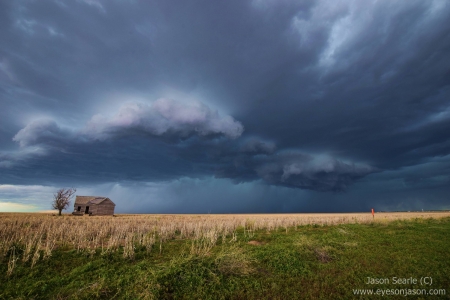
(268, 106)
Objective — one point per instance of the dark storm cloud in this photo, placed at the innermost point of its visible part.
(320, 173)
(257, 146)
(382, 67)
(185, 140)
(309, 95)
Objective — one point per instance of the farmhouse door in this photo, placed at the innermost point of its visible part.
(87, 210)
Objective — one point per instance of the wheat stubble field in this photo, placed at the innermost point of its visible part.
(239, 256)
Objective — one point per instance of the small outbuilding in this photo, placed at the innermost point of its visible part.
(93, 206)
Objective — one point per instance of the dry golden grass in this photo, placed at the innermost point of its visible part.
(38, 235)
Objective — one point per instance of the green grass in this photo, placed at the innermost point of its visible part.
(310, 262)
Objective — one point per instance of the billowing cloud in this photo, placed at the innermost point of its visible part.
(255, 145)
(39, 132)
(12, 158)
(164, 117)
(319, 173)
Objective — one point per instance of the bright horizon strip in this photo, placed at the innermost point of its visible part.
(17, 207)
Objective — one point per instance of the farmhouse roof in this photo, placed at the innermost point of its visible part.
(90, 199)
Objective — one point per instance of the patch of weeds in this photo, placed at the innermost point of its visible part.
(282, 259)
(350, 244)
(305, 242)
(186, 275)
(345, 231)
(322, 253)
(233, 261)
(342, 231)
(255, 243)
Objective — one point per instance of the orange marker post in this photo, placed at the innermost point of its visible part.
(373, 214)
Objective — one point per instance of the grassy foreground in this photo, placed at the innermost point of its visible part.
(307, 262)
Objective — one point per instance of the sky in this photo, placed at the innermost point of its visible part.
(262, 106)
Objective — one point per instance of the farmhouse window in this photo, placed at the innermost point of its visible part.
(79, 208)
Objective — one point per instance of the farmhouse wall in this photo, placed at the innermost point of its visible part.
(104, 210)
(102, 207)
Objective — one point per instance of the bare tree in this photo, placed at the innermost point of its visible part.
(61, 199)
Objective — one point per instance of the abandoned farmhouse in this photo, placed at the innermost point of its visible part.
(93, 206)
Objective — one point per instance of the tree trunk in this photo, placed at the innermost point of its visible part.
(60, 212)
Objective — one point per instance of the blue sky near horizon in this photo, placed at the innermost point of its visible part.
(226, 107)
